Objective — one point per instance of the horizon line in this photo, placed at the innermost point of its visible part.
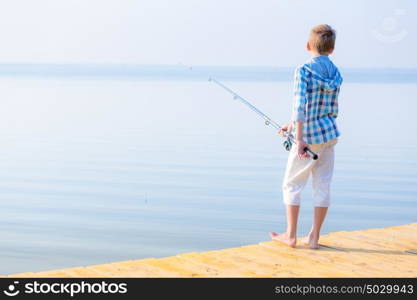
(193, 66)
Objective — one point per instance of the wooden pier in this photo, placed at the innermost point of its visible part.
(381, 252)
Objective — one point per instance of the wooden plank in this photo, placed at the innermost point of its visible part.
(84, 272)
(52, 274)
(139, 268)
(26, 274)
(260, 269)
(380, 239)
(310, 267)
(337, 259)
(224, 268)
(185, 268)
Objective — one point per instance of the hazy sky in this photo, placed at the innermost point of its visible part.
(205, 32)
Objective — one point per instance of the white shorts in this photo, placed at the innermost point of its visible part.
(298, 170)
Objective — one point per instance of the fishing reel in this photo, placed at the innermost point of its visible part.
(287, 144)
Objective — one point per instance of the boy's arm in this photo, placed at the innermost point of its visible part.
(300, 96)
(298, 131)
(299, 140)
(299, 110)
(299, 102)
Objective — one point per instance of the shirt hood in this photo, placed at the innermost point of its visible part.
(324, 72)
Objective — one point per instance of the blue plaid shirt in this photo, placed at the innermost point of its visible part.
(316, 89)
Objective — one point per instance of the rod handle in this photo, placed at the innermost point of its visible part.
(313, 155)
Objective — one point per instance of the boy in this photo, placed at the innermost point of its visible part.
(315, 108)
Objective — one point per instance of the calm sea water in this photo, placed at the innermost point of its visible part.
(97, 170)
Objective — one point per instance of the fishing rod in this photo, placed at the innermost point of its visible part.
(268, 121)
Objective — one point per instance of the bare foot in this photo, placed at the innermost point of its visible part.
(311, 241)
(283, 238)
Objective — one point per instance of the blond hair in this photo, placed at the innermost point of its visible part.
(322, 38)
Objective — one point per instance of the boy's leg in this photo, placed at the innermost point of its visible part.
(295, 178)
(290, 236)
(322, 173)
(313, 237)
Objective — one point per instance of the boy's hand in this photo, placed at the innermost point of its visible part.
(300, 149)
(287, 128)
